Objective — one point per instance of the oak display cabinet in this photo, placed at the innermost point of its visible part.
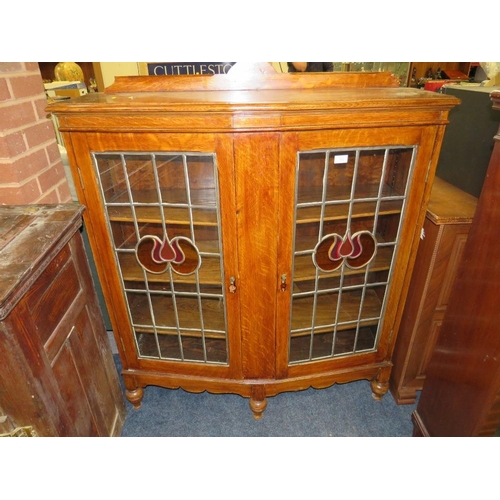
(253, 232)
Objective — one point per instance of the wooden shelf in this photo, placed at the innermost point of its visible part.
(326, 306)
(314, 194)
(304, 269)
(199, 197)
(320, 346)
(192, 348)
(175, 216)
(365, 209)
(209, 272)
(167, 318)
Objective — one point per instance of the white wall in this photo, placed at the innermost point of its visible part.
(112, 69)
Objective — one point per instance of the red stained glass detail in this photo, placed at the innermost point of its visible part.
(357, 248)
(154, 255)
(167, 252)
(335, 249)
(350, 249)
(178, 257)
(346, 248)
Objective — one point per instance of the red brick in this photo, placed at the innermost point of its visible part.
(5, 94)
(40, 105)
(49, 197)
(51, 177)
(26, 86)
(8, 174)
(11, 67)
(64, 193)
(32, 66)
(20, 195)
(16, 115)
(53, 152)
(11, 195)
(4, 148)
(39, 133)
(24, 167)
(12, 145)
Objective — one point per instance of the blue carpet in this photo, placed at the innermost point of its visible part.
(343, 410)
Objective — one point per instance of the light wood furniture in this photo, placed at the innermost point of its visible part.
(57, 371)
(461, 395)
(253, 231)
(447, 223)
(420, 69)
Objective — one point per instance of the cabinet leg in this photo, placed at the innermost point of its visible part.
(258, 401)
(135, 397)
(133, 392)
(380, 384)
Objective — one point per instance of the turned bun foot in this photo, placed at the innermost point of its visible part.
(379, 389)
(258, 407)
(135, 397)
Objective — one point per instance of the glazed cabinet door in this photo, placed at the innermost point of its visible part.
(350, 205)
(161, 207)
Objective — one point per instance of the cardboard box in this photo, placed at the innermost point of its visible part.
(70, 92)
(66, 92)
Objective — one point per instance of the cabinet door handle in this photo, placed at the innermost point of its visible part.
(283, 283)
(232, 284)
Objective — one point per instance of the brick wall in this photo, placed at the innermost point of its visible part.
(31, 169)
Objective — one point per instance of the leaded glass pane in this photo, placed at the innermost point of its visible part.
(164, 222)
(348, 213)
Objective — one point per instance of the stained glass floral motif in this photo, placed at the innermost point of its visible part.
(355, 251)
(155, 255)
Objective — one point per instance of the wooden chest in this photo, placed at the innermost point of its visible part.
(57, 370)
(447, 223)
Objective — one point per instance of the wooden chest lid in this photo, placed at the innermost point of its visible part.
(449, 204)
(30, 237)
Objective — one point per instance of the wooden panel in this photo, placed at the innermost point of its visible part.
(256, 201)
(463, 378)
(52, 294)
(70, 384)
(251, 81)
(95, 362)
(21, 376)
(491, 424)
(384, 105)
(450, 256)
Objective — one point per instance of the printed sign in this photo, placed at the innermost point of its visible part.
(189, 68)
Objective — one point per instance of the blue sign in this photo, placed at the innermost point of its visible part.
(189, 68)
